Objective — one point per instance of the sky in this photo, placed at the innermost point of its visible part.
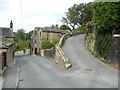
(28, 14)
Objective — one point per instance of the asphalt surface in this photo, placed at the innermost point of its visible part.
(38, 72)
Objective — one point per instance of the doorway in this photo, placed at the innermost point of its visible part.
(35, 51)
(4, 60)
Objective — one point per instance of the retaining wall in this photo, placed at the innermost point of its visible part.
(59, 57)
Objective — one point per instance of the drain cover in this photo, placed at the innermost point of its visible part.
(21, 80)
(88, 69)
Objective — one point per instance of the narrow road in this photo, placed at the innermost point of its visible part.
(38, 72)
(96, 73)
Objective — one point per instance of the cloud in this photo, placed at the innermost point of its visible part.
(34, 12)
(3, 5)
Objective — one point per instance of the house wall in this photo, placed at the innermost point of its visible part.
(10, 55)
(38, 35)
(35, 42)
(51, 36)
(5, 43)
(0, 60)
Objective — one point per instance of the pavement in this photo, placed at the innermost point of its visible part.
(1, 82)
(38, 72)
(2, 76)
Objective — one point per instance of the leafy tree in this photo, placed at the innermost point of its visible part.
(87, 13)
(22, 39)
(105, 13)
(78, 15)
(20, 35)
(72, 16)
(64, 27)
(28, 35)
(106, 18)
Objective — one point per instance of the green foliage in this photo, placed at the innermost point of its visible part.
(105, 18)
(82, 29)
(46, 44)
(103, 43)
(22, 39)
(56, 41)
(64, 27)
(19, 46)
(28, 35)
(78, 15)
(27, 44)
(106, 0)
(103, 14)
(20, 35)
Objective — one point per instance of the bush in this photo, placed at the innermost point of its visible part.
(82, 29)
(46, 44)
(56, 41)
(103, 44)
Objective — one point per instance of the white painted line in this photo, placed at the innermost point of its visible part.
(17, 81)
(1, 82)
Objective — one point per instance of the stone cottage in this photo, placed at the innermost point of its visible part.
(6, 47)
(44, 33)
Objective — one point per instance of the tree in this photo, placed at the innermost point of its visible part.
(28, 35)
(22, 39)
(105, 13)
(72, 16)
(78, 15)
(87, 13)
(64, 27)
(20, 35)
(105, 18)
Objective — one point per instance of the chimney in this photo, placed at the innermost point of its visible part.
(11, 27)
(11, 24)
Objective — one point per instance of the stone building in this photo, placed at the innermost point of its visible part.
(6, 47)
(44, 33)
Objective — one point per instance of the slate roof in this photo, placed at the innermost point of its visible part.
(5, 33)
(48, 29)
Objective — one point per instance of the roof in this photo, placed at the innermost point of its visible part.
(56, 31)
(48, 29)
(6, 32)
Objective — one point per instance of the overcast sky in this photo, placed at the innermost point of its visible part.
(35, 13)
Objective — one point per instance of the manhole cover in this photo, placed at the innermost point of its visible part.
(88, 69)
(21, 80)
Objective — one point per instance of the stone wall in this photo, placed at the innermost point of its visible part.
(48, 53)
(0, 60)
(59, 57)
(10, 56)
(51, 36)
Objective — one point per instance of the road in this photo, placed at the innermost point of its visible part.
(39, 72)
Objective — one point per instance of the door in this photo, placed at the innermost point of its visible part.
(4, 60)
(35, 51)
